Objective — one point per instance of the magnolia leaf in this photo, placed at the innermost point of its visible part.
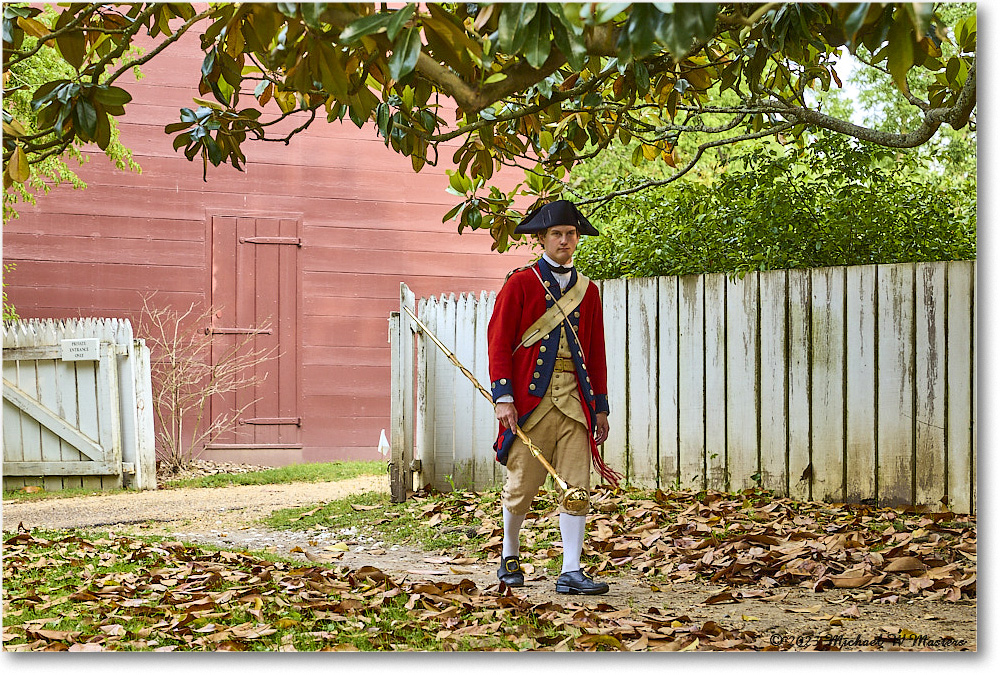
(366, 25)
(571, 43)
(537, 40)
(405, 53)
(852, 581)
(514, 19)
(900, 50)
(209, 104)
(905, 564)
(73, 47)
(399, 19)
(33, 27)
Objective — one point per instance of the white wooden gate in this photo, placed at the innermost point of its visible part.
(77, 406)
(838, 384)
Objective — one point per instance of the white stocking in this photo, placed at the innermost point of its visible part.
(511, 533)
(572, 529)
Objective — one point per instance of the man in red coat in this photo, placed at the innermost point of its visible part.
(549, 376)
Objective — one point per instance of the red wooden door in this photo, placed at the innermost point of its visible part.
(255, 288)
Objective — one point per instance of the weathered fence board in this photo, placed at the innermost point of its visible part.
(959, 380)
(894, 440)
(52, 444)
(486, 426)
(668, 436)
(643, 389)
(773, 383)
(930, 452)
(444, 405)
(827, 394)
(691, 381)
(742, 389)
(465, 392)
(615, 339)
(716, 405)
(854, 384)
(860, 398)
(76, 423)
(424, 407)
(799, 417)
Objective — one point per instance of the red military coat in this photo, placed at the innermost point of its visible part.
(513, 369)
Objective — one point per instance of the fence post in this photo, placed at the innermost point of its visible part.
(397, 486)
(401, 403)
(120, 335)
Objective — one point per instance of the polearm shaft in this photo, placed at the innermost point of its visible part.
(482, 390)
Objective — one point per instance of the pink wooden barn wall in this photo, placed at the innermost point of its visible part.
(365, 221)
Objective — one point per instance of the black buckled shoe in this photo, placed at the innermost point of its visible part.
(578, 583)
(510, 571)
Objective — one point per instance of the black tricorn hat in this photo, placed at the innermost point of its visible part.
(560, 212)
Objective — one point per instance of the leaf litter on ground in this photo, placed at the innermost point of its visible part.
(171, 596)
(751, 538)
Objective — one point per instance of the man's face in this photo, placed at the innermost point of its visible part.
(560, 242)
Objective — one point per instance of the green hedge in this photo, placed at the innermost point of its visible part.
(836, 203)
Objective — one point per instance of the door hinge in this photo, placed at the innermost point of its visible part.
(288, 241)
(297, 421)
(211, 330)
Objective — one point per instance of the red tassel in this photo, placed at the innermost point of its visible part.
(606, 472)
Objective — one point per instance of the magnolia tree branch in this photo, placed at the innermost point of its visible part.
(181, 30)
(137, 24)
(602, 200)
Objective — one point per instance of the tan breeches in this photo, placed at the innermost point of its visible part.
(564, 442)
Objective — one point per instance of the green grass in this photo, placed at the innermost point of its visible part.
(393, 523)
(296, 473)
(20, 496)
(455, 522)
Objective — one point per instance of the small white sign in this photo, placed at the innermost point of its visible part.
(83, 349)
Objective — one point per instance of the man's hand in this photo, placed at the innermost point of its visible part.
(601, 428)
(507, 414)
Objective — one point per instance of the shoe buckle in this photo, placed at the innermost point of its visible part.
(512, 565)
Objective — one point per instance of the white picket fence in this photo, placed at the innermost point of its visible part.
(77, 406)
(841, 384)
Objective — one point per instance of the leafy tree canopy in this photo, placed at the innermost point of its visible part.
(535, 85)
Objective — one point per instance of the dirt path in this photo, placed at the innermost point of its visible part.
(229, 517)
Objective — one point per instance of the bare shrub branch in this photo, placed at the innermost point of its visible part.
(185, 378)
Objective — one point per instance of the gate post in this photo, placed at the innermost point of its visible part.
(401, 403)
